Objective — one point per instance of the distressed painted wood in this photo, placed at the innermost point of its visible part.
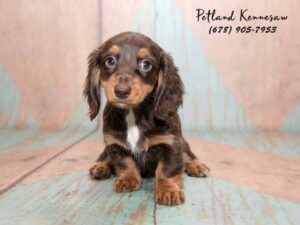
(256, 170)
(75, 199)
(281, 143)
(44, 48)
(255, 191)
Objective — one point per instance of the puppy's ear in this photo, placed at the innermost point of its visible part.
(92, 83)
(170, 88)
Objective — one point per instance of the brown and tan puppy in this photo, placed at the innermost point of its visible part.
(141, 126)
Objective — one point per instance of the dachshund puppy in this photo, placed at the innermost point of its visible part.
(141, 126)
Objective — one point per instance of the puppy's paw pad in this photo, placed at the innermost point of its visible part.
(126, 184)
(196, 168)
(169, 197)
(100, 171)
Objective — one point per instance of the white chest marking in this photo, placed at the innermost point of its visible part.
(133, 133)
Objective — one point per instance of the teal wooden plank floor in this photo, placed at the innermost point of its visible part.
(253, 181)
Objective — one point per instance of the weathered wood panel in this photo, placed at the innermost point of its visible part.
(257, 191)
(44, 46)
(75, 199)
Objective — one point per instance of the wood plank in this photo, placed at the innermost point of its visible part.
(281, 143)
(239, 165)
(215, 201)
(44, 47)
(255, 82)
(15, 140)
(80, 158)
(17, 166)
(252, 168)
(57, 194)
(75, 199)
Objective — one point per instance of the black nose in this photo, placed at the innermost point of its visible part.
(122, 92)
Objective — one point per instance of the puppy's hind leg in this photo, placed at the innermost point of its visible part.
(101, 169)
(193, 167)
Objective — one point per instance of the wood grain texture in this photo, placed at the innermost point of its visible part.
(257, 170)
(259, 70)
(56, 193)
(264, 172)
(75, 199)
(280, 143)
(44, 46)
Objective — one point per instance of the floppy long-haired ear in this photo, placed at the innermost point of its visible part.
(92, 83)
(170, 88)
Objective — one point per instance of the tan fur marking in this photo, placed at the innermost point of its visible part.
(160, 79)
(139, 90)
(128, 179)
(195, 168)
(159, 139)
(143, 53)
(100, 170)
(131, 170)
(109, 140)
(159, 86)
(95, 76)
(114, 50)
(145, 145)
(168, 190)
(109, 86)
(163, 182)
(186, 158)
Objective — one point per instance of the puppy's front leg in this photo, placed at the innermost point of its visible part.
(126, 170)
(101, 169)
(169, 183)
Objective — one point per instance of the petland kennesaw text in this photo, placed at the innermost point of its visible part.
(243, 15)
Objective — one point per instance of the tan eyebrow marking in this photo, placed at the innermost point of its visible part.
(143, 52)
(115, 50)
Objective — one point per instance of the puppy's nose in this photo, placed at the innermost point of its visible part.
(122, 91)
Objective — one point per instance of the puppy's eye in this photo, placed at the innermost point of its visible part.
(145, 65)
(110, 61)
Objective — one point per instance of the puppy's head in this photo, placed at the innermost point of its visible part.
(130, 67)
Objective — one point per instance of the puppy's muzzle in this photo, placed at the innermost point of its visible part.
(122, 89)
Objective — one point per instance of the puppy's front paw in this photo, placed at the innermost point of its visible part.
(195, 168)
(169, 197)
(100, 171)
(126, 184)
